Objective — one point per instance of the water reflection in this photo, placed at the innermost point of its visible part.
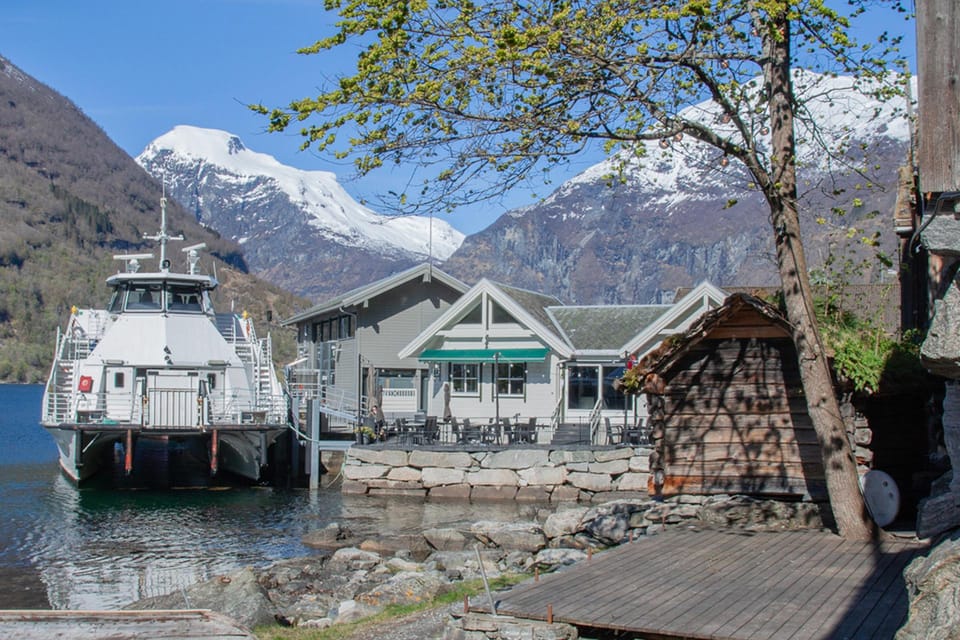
(102, 549)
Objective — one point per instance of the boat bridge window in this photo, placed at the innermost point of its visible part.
(144, 297)
(183, 299)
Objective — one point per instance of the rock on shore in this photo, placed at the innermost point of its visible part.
(350, 578)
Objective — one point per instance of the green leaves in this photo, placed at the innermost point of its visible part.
(446, 85)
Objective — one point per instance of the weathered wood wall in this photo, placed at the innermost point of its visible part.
(938, 65)
(734, 417)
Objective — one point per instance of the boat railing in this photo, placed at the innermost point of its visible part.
(163, 409)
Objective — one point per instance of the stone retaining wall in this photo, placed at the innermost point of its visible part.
(535, 473)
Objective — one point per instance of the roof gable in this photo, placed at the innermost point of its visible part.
(740, 316)
(526, 307)
(681, 315)
(425, 271)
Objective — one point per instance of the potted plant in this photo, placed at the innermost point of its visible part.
(365, 434)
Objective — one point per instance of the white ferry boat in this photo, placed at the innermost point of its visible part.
(159, 367)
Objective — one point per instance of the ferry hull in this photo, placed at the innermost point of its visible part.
(85, 453)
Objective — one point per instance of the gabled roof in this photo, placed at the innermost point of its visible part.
(362, 294)
(535, 304)
(703, 295)
(604, 328)
(672, 348)
(527, 307)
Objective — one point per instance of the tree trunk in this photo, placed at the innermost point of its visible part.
(839, 465)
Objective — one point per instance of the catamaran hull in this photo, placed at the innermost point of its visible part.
(84, 453)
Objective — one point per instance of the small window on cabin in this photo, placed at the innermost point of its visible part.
(475, 316)
(500, 315)
(211, 381)
(118, 380)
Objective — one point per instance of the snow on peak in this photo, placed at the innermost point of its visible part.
(332, 210)
(841, 108)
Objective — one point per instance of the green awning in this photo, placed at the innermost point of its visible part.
(484, 355)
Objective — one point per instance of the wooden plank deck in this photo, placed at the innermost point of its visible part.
(199, 624)
(729, 585)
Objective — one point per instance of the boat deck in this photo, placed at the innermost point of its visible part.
(729, 585)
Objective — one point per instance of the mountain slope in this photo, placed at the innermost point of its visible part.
(299, 229)
(631, 230)
(69, 200)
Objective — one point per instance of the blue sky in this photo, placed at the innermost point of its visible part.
(140, 67)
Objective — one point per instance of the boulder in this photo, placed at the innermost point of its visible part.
(563, 522)
(609, 522)
(933, 588)
(758, 515)
(446, 539)
(406, 587)
(353, 559)
(465, 562)
(332, 536)
(385, 546)
(351, 611)
(550, 559)
(519, 536)
(237, 595)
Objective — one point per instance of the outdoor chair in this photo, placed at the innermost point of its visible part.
(637, 434)
(471, 434)
(431, 430)
(613, 435)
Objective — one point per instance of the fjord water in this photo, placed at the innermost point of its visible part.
(66, 547)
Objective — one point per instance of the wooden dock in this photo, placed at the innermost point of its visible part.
(727, 585)
(197, 624)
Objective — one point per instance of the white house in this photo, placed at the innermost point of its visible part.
(503, 352)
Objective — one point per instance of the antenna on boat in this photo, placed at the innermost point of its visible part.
(133, 260)
(163, 237)
(193, 255)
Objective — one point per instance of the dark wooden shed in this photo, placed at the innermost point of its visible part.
(727, 410)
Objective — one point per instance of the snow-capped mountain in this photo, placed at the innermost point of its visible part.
(299, 229)
(635, 227)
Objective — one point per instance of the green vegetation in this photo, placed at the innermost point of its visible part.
(456, 594)
(865, 355)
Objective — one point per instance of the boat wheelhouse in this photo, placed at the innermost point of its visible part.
(158, 366)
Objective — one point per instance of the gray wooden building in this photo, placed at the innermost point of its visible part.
(348, 345)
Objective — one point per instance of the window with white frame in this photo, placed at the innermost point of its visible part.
(511, 378)
(465, 378)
